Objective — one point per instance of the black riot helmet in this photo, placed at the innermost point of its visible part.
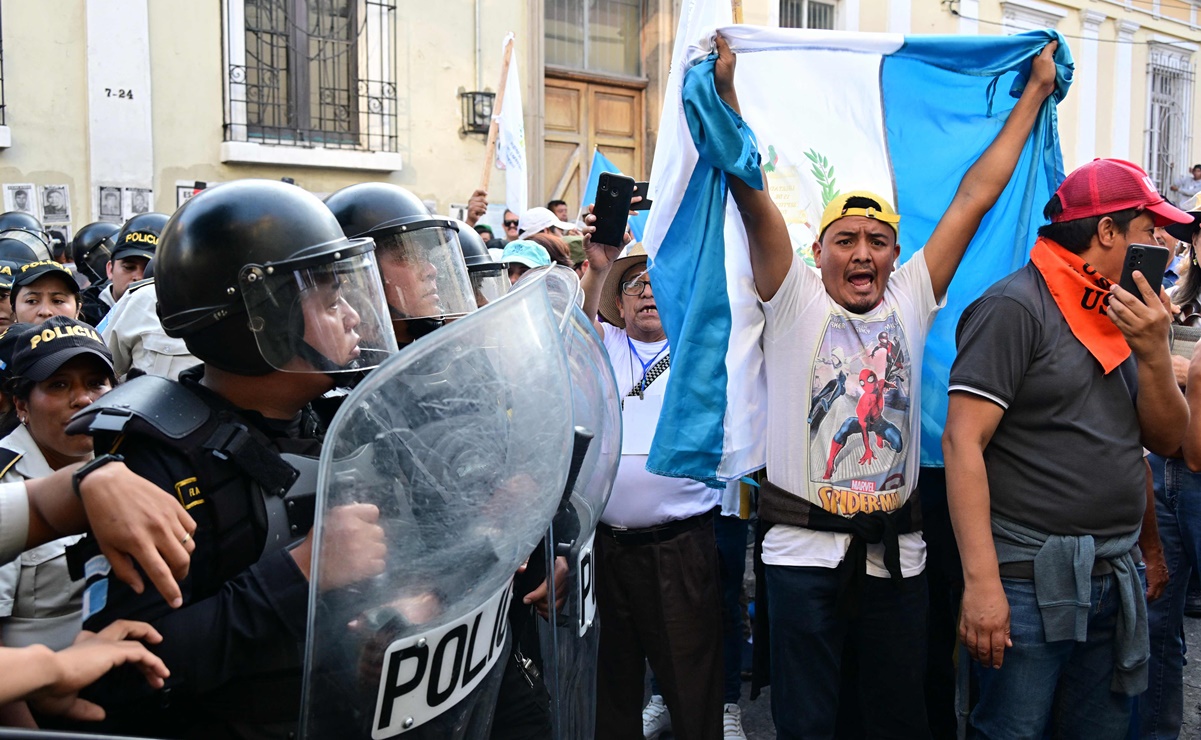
(139, 236)
(92, 248)
(256, 276)
(25, 227)
(16, 250)
(489, 278)
(425, 278)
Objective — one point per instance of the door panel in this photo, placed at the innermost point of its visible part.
(580, 117)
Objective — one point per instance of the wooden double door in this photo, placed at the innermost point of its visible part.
(581, 116)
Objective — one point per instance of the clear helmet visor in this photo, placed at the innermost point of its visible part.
(39, 244)
(489, 283)
(320, 318)
(424, 274)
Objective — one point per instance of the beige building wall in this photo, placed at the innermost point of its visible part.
(46, 80)
(46, 83)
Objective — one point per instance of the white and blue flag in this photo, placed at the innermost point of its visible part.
(903, 116)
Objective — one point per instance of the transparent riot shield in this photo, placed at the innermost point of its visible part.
(462, 442)
(570, 638)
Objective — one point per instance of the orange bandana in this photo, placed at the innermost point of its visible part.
(1082, 295)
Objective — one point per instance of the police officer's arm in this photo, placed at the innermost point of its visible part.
(1163, 413)
(132, 520)
(766, 232)
(984, 616)
(986, 179)
(224, 629)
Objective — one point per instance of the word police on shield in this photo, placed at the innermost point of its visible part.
(585, 576)
(424, 675)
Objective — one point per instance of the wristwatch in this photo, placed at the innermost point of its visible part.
(90, 466)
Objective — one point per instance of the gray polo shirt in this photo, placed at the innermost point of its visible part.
(1066, 457)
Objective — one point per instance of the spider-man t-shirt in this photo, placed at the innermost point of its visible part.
(844, 416)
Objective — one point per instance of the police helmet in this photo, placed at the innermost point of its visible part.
(16, 250)
(92, 248)
(425, 278)
(139, 236)
(256, 276)
(25, 227)
(489, 278)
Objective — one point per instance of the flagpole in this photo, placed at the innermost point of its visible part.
(737, 7)
(490, 153)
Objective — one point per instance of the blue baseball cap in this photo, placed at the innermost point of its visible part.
(525, 252)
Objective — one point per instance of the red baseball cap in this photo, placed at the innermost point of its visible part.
(1107, 185)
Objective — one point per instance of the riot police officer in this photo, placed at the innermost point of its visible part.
(92, 247)
(263, 287)
(419, 255)
(27, 229)
(489, 278)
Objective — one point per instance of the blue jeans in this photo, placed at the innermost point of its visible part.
(885, 645)
(1178, 511)
(1062, 685)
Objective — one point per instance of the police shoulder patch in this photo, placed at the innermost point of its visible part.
(188, 492)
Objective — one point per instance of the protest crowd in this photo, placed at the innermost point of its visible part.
(173, 386)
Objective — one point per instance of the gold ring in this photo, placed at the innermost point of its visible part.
(187, 536)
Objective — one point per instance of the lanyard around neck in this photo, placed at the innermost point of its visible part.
(648, 363)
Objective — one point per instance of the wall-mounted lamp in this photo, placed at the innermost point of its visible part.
(477, 112)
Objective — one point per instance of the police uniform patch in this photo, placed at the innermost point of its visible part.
(188, 493)
(95, 598)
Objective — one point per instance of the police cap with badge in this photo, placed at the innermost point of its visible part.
(40, 350)
(31, 272)
(139, 236)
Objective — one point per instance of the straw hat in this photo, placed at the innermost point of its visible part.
(612, 286)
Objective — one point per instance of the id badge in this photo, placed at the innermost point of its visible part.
(639, 417)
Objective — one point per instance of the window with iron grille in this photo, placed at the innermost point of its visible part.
(595, 35)
(806, 14)
(311, 73)
(1170, 74)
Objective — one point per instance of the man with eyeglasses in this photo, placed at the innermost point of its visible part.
(657, 568)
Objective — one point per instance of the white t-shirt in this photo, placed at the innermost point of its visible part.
(640, 498)
(844, 417)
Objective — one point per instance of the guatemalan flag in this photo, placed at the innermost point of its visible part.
(903, 116)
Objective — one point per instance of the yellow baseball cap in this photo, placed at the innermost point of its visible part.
(838, 208)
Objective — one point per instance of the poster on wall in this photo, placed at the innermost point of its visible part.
(20, 197)
(56, 204)
(185, 190)
(109, 203)
(137, 200)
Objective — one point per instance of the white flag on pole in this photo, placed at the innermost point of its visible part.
(510, 139)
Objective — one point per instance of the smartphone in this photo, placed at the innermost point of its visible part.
(612, 208)
(1149, 259)
(642, 188)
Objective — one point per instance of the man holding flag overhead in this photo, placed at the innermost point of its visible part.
(844, 555)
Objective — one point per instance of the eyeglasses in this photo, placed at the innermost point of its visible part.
(511, 223)
(634, 287)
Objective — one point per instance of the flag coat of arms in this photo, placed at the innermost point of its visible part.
(902, 116)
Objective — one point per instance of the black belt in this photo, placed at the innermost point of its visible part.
(660, 533)
(1024, 569)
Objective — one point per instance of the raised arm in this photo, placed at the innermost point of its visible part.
(987, 178)
(767, 234)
